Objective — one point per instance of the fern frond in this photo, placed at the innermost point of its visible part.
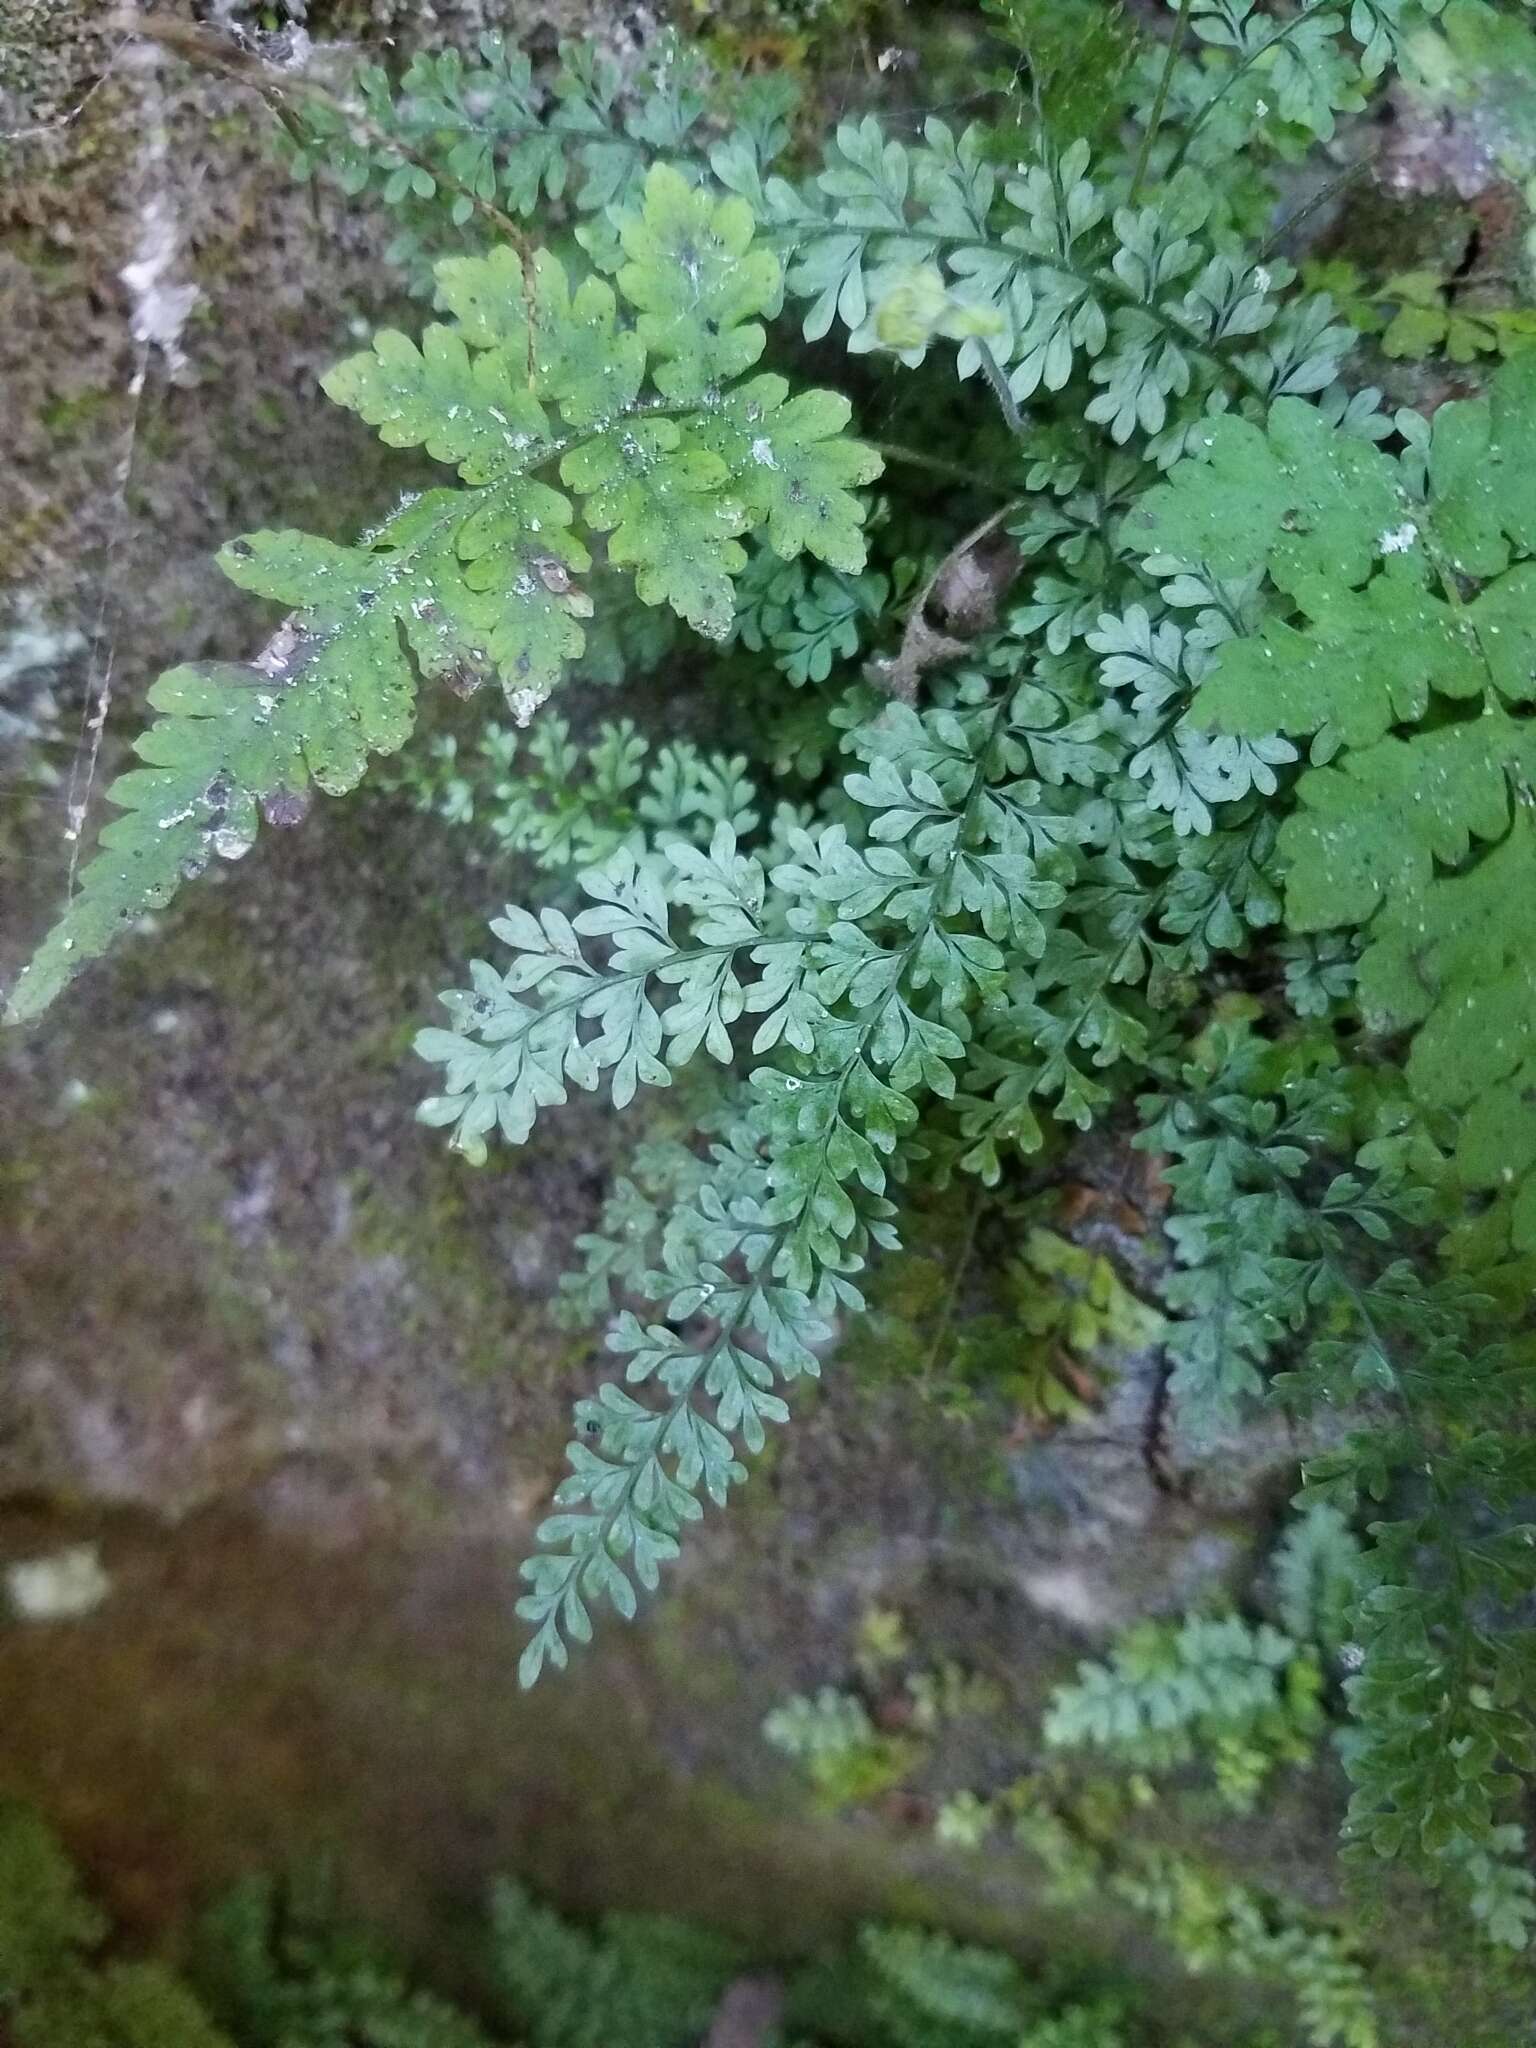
(639, 1982)
(463, 131)
(1204, 1686)
(975, 1994)
(866, 1023)
(1369, 555)
(1041, 269)
(1317, 1576)
(485, 576)
(573, 807)
(1285, 1254)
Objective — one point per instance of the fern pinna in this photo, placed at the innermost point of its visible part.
(1218, 797)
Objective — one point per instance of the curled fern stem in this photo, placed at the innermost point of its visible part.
(962, 547)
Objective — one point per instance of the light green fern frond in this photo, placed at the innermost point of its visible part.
(1406, 596)
(526, 374)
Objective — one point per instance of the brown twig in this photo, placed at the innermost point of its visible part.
(923, 646)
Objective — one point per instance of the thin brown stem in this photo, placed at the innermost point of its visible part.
(913, 458)
(1320, 198)
(963, 547)
(952, 1292)
(921, 646)
(1155, 118)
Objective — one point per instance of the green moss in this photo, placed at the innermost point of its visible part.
(66, 419)
(454, 1272)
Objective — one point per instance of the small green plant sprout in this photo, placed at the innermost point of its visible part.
(845, 1757)
(882, 1641)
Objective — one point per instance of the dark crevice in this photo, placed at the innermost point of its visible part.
(1156, 1432)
